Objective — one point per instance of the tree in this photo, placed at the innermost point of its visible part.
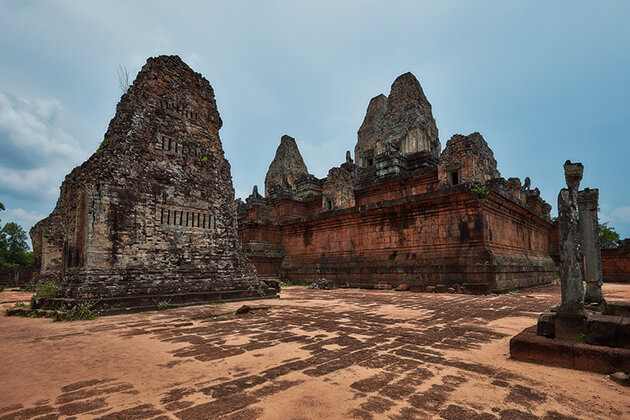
(13, 245)
(608, 238)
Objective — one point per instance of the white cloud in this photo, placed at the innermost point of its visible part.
(621, 214)
(35, 152)
(22, 217)
(603, 217)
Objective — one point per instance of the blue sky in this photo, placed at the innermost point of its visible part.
(541, 81)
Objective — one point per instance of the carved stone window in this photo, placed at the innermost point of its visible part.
(328, 204)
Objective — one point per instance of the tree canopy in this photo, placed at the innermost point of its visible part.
(14, 250)
(608, 238)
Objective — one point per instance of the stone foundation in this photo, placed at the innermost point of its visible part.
(530, 347)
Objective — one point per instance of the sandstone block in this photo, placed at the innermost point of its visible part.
(440, 288)
(546, 326)
(569, 327)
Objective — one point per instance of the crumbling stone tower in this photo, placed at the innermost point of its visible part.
(403, 122)
(151, 212)
(285, 169)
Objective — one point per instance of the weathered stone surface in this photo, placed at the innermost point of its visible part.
(285, 169)
(588, 203)
(403, 120)
(394, 223)
(547, 325)
(440, 288)
(529, 347)
(323, 284)
(617, 307)
(151, 212)
(570, 254)
(616, 263)
(338, 192)
(16, 276)
(467, 159)
(621, 378)
(243, 310)
(47, 237)
(608, 330)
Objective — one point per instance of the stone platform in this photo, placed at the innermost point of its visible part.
(529, 347)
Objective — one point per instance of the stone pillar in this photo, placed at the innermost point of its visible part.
(589, 230)
(571, 315)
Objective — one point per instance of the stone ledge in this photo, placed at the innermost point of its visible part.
(27, 311)
(126, 304)
(617, 307)
(529, 347)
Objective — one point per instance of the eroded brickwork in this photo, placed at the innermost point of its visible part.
(467, 159)
(151, 213)
(285, 169)
(402, 121)
(616, 263)
(398, 216)
(338, 192)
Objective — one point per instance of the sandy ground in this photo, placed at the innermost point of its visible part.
(309, 355)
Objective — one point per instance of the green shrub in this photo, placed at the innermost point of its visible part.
(82, 310)
(162, 305)
(204, 159)
(19, 305)
(48, 288)
(481, 190)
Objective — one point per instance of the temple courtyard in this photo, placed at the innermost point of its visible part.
(311, 354)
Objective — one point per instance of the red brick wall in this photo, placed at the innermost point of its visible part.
(404, 187)
(616, 265)
(447, 236)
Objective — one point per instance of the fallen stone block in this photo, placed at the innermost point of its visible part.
(440, 288)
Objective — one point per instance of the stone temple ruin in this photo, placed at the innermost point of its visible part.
(403, 214)
(150, 215)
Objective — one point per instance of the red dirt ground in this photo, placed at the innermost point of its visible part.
(309, 355)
